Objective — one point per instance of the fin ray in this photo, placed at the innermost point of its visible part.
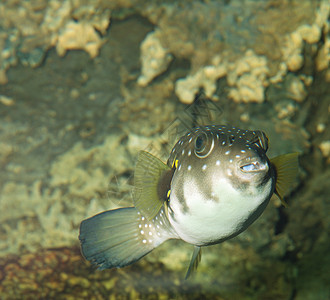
(112, 238)
(286, 172)
(195, 259)
(148, 172)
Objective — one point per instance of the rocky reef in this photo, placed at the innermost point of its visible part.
(85, 85)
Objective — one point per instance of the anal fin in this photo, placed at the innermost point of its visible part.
(195, 259)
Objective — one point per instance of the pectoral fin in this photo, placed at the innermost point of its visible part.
(286, 167)
(151, 183)
(195, 259)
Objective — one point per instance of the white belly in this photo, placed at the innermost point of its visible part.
(207, 220)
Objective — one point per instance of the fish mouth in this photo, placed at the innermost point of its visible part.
(252, 165)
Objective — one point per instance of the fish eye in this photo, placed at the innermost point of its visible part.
(200, 142)
(203, 146)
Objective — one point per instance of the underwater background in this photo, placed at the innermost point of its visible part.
(85, 85)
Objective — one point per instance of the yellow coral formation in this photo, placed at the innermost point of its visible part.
(323, 57)
(248, 72)
(246, 77)
(206, 77)
(154, 58)
(66, 170)
(296, 90)
(75, 25)
(79, 36)
(36, 26)
(292, 50)
(6, 100)
(325, 149)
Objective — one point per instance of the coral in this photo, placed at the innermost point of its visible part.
(292, 50)
(36, 26)
(325, 149)
(71, 25)
(248, 76)
(79, 36)
(206, 77)
(323, 57)
(248, 69)
(6, 100)
(47, 208)
(154, 58)
(296, 89)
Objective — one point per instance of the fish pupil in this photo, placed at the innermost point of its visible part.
(200, 142)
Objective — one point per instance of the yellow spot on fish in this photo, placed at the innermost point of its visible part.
(175, 163)
(168, 194)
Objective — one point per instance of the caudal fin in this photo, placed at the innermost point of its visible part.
(117, 238)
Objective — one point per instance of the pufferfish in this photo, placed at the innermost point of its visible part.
(217, 181)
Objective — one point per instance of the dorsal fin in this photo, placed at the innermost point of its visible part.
(286, 167)
(149, 171)
(195, 259)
